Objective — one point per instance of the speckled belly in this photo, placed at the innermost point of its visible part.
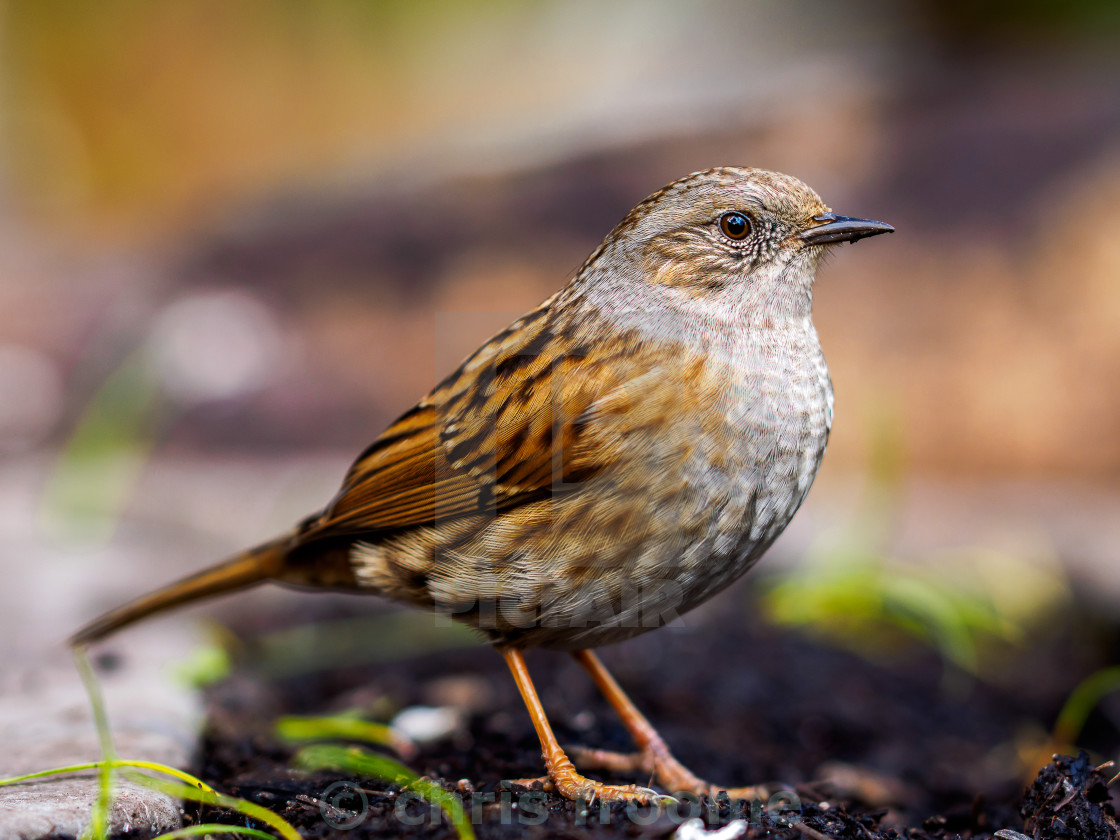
(689, 509)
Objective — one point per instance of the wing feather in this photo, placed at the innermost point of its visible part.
(512, 425)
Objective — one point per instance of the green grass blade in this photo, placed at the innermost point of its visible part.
(374, 766)
(99, 465)
(296, 729)
(57, 771)
(103, 805)
(219, 800)
(214, 828)
(194, 789)
(169, 771)
(186, 787)
(1082, 700)
(116, 763)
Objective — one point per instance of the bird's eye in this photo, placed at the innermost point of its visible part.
(735, 225)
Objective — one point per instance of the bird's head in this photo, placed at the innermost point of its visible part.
(732, 233)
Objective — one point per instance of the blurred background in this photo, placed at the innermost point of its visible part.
(237, 239)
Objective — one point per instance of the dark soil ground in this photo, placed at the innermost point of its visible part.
(868, 750)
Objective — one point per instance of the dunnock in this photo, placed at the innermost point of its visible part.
(609, 461)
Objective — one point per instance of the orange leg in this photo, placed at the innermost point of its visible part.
(654, 757)
(563, 775)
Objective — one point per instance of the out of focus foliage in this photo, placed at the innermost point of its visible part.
(968, 602)
(978, 23)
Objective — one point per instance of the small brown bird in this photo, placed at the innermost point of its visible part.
(609, 461)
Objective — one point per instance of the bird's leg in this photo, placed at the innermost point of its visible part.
(654, 756)
(563, 775)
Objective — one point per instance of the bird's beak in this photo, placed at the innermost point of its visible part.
(832, 228)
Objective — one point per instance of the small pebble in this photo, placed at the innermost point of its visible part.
(694, 830)
(426, 724)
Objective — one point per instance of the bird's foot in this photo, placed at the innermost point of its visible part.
(570, 784)
(656, 762)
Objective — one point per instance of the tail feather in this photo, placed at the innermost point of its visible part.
(248, 569)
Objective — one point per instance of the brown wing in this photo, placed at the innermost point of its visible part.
(508, 427)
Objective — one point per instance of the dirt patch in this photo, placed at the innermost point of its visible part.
(1070, 798)
(859, 749)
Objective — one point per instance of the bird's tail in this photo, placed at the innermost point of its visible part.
(255, 566)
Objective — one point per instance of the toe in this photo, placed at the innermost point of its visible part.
(591, 791)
